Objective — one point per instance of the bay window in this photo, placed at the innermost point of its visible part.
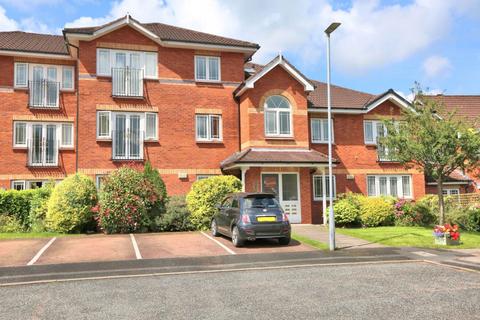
(319, 130)
(398, 186)
(207, 68)
(208, 127)
(278, 117)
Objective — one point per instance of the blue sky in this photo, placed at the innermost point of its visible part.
(380, 45)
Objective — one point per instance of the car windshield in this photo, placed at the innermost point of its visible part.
(261, 202)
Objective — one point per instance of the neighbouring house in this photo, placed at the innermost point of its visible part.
(194, 105)
(468, 108)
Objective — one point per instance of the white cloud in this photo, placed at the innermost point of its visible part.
(6, 23)
(435, 66)
(372, 35)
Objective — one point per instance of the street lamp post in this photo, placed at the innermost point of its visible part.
(331, 220)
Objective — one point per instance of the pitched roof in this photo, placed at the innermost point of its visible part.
(464, 105)
(342, 98)
(172, 33)
(455, 176)
(32, 42)
(260, 156)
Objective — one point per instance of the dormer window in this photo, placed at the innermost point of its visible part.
(278, 117)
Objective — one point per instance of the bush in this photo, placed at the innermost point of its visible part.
(347, 210)
(176, 217)
(206, 194)
(126, 198)
(16, 205)
(39, 207)
(10, 224)
(70, 205)
(466, 218)
(376, 211)
(152, 175)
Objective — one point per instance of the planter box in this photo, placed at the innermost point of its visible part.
(445, 241)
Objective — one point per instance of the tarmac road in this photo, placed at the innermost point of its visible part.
(380, 290)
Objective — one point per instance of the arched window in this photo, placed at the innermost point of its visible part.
(278, 117)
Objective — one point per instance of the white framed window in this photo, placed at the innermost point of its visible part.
(99, 178)
(67, 135)
(207, 68)
(318, 187)
(208, 127)
(67, 78)
(319, 130)
(451, 192)
(18, 185)
(372, 130)
(399, 186)
(24, 72)
(151, 126)
(204, 176)
(20, 135)
(278, 117)
(110, 58)
(21, 75)
(103, 125)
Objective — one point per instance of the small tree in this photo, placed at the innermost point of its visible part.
(152, 175)
(434, 140)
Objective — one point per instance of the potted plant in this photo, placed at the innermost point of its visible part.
(446, 235)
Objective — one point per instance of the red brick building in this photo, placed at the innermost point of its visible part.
(192, 104)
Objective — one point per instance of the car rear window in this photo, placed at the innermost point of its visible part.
(261, 202)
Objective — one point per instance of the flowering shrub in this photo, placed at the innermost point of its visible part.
(447, 230)
(376, 211)
(126, 198)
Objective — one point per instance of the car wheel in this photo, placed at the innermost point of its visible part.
(284, 241)
(236, 240)
(214, 228)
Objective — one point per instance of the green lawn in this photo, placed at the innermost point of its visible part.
(409, 237)
(27, 235)
(313, 243)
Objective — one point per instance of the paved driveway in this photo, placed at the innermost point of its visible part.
(98, 248)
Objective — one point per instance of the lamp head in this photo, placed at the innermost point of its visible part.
(332, 27)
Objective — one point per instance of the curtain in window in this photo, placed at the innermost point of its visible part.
(201, 68)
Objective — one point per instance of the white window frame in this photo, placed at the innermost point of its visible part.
(98, 179)
(277, 111)
(375, 134)
(155, 136)
(319, 177)
(207, 68)
(399, 178)
(448, 191)
(111, 57)
(23, 145)
(322, 122)
(59, 72)
(209, 128)
(104, 137)
(18, 182)
(204, 176)
(66, 146)
(15, 77)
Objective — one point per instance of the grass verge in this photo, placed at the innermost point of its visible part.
(310, 242)
(409, 237)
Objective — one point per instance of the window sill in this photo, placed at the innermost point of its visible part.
(208, 81)
(20, 88)
(324, 143)
(210, 141)
(20, 148)
(104, 139)
(321, 199)
(67, 148)
(150, 140)
(279, 138)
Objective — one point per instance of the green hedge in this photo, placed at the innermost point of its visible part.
(176, 217)
(206, 194)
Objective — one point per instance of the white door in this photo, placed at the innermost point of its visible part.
(286, 188)
(127, 137)
(44, 145)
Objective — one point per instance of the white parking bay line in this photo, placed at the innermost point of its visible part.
(219, 243)
(424, 254)
(135, 247)
(39, 253)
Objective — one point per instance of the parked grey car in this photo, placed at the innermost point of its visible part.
(251, 216)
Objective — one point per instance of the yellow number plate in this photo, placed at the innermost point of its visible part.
(266, 219)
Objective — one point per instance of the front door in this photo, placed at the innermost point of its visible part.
(285, 187)
(127, 137)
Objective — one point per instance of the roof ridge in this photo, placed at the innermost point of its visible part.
(33, 33)
(345, 88)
